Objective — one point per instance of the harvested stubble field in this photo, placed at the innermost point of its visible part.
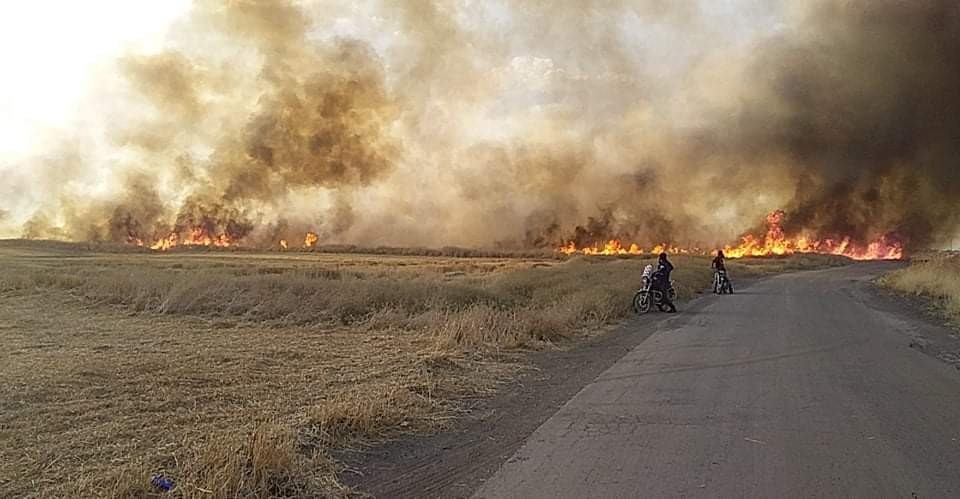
(236, 373)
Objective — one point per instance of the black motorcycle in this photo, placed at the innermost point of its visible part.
(721, 283)
(649, 295)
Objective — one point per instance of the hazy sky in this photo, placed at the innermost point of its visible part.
(50, 49)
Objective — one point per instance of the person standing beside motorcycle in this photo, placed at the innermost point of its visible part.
(661, 279)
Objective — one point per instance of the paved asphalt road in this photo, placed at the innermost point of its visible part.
(796, 387)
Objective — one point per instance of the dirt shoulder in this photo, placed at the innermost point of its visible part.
(925, 327)
(453, 463)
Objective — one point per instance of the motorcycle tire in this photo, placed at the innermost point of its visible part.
(641, 302)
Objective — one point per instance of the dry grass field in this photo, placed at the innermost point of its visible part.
(934, 275)
(235, 373)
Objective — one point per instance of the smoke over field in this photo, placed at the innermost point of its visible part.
(520, 124)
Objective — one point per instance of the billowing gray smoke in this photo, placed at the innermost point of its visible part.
(317, 119)
(523, 124)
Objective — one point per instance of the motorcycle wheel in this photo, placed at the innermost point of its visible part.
(641, 302)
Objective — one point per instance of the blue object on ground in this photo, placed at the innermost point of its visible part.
(161, 482)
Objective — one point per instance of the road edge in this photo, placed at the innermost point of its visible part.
(455, 462)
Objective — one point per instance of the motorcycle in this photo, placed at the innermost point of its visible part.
(721, 283)
(647, 296)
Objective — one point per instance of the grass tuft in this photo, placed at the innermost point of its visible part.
(936, 276)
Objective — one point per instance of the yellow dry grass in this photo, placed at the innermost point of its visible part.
(935, 275)
(236, 373)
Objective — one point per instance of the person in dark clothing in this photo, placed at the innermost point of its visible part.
(718, 262)
(661, 279)
(664, 266)
(721, 281)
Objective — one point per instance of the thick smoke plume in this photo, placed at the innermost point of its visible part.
(519, 124)
(861, 106)
(315, 118)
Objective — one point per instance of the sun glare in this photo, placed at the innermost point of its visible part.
(51, 47)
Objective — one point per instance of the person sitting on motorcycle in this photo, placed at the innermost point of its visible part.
(718, 262)
(721, 269)
(661, 280)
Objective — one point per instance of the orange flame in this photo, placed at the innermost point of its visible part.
(773, 243)
(612, 247)
(615, 247)
(776, 243)
(197, 236)
(166, 243)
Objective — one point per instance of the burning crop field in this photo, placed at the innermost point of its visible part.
(774, 242)
(818, 126)
(282, 227)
